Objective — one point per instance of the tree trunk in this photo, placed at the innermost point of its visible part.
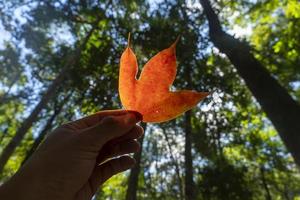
(132, 186)
(49, 94)
(280, 107)
(177, 167)
(189, 182)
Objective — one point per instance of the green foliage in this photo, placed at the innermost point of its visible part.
(114, 188)
(275, 39)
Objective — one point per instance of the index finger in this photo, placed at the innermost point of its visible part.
(93, 119)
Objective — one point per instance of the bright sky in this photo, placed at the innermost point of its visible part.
(240, 31)
(4, 36)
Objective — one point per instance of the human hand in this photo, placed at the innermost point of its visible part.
(69, 164)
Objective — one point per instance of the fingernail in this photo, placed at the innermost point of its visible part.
(138, 116)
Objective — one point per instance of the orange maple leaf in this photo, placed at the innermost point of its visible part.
(150, 95)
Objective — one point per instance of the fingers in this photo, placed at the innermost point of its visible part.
(124, 147)
(94, 119)
(135, 133)
(108, 169)
(107, 129)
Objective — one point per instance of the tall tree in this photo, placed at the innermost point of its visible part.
(189, 182)
(279, 106)
(133, 179)
(176, 164)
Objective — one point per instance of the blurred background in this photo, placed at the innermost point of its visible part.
(59, 61)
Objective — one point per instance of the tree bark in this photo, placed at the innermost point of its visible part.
(189, 182)
(280, 107)
(49, 94)
(132, 186)
(177, 167)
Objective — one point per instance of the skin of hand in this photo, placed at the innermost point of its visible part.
(77, 157)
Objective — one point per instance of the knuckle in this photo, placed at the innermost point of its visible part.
(110, 120)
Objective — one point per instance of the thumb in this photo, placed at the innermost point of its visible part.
(103, 172)
(108, 169)
(108, 128)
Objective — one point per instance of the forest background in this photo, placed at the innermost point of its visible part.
(59, 61)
